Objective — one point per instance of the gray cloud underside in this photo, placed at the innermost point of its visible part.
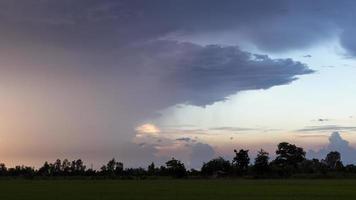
(271, 25)
(201, 75)
(121, 37)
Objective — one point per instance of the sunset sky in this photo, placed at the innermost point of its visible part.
(145, 81)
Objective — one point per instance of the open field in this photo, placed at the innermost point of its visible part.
(178, 189)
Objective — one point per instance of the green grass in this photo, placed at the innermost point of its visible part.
(178, 189)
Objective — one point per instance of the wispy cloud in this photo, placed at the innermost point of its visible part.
(311, 135)
(185, 139)
(232, 128)
(327, 128)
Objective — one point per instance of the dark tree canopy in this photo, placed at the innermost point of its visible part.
(290, 161)
(261, 162)
(333, 160)
(289, 155)
(176, 168)
(113, 168)
(3, 169)
(151, 170)
(216, 166)
(241, 159)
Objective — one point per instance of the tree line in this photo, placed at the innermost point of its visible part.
(290, 161)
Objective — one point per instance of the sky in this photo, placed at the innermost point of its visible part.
(145, 81)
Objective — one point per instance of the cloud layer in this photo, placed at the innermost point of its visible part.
(202, 75)
(270, 25)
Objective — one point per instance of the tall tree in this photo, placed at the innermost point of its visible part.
(151, 169)
(57, 167)
(176, 168)
(66, 167)
(79, 167)
(45, 170)
(113, 168)
(261, 162)
(241, 160)
(215, 166)
(3, 169)
(289, 155)
(333, 160)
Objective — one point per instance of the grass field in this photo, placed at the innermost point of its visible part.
(178, 189)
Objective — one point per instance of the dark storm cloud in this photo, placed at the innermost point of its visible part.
(120, 37)
(202, 75)
(336, 143)
(270, 25)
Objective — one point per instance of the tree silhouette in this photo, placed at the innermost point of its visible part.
(312, 166)
(112, 168)
(57, 167)
(45, 170)
(290, 160)
(151, 170)
(217, 166)
(241, 160)
(333, 160)
(289, 155)
(3, 169)
(261, 162)
(176, 168)
(66, 167)
(79, 167)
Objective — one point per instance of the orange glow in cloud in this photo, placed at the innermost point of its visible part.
(147, 129)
